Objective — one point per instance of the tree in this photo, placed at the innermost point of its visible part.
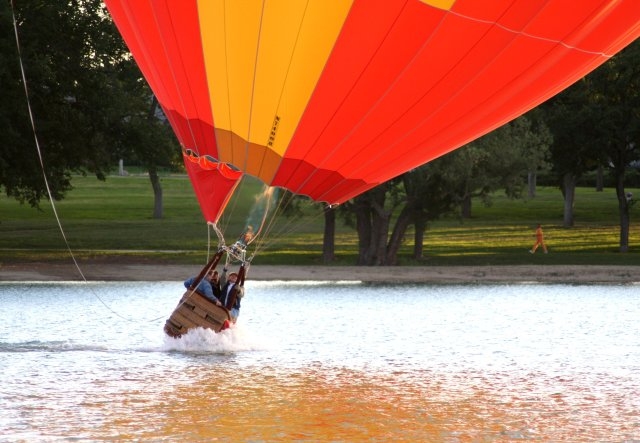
(19, 175)
(575, 149)
(615, 98)
(428, 196)
(596, 123)
(329, 236)
(70, 87)
(372, 211)
(87, 96)
(383, 215)
(501, 159)
(535, 146)
(145, 137)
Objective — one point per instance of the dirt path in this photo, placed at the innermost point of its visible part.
(414, 274)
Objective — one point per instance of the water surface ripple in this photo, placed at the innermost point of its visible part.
(321, 361)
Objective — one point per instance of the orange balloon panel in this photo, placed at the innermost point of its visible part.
(329, 101)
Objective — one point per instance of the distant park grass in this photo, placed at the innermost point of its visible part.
(113, 220)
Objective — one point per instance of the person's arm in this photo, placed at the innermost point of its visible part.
(205, 287)
(213, 297)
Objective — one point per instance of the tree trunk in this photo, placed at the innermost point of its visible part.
(532, 182)
(158, 210)
(465, 208)
(600, 179)
(157, 193)
(569, 193)
(399, 230)
(372, 223)
(623, 209)
(328, 241)
(362, 210)
(418, 238)
(381, 220)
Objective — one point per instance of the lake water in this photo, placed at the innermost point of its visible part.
(318, 361)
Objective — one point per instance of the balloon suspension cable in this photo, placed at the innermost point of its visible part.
(44, 173)
(272, 234)
(214, 226)
(236, 252)
(216, 229)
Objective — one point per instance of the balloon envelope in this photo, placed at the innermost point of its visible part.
(332, 99)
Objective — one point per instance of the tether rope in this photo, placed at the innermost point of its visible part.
(44, 174)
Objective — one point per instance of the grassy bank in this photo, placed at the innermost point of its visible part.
(112, 221)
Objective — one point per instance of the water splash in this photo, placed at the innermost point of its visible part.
(234, 339)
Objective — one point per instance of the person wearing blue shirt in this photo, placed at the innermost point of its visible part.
(204, 287)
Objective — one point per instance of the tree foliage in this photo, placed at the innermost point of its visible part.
(575, 148)
(383, 215)
(501, 159)
(614, 92)
(69, 78)
(595, 123)
(87, 97)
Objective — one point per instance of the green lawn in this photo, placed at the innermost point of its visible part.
(113, 219)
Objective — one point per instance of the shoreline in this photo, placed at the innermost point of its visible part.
(568, 274)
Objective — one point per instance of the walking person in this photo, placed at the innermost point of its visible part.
(539, 241)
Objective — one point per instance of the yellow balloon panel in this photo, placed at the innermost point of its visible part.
(229, 32)
(263, 62)
(303, 54)
(442, 4)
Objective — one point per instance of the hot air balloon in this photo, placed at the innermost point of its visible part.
(330, 99)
